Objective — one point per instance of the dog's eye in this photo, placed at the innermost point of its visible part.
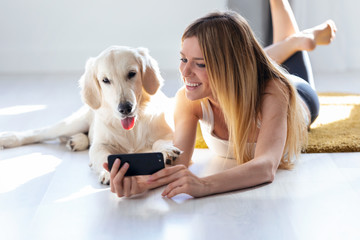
(131, 74)
(106, 80)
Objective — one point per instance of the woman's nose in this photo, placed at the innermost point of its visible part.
(186, 70)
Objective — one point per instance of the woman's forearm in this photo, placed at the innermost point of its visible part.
(252, 173)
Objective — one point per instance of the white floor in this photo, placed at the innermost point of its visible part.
(47, 192)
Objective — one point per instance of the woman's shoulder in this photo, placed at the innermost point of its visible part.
(277, 89)
(187, 106)
(275, 96)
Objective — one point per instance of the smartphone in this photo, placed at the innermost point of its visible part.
(140, 163)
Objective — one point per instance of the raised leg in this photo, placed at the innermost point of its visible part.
(288, 39)
(283, 20)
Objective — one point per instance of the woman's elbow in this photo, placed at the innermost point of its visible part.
(270, 168)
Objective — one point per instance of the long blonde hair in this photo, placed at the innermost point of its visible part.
(238, 71)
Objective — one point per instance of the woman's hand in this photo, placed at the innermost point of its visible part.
(126, 186)
(181, 181)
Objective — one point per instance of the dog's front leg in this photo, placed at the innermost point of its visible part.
(98, 154)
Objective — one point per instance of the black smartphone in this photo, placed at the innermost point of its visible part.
(140, 163)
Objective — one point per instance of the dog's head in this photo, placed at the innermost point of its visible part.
(120, 78)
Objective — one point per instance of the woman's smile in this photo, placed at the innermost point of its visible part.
(192, 85)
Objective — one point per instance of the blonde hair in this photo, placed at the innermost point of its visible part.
(238, 71)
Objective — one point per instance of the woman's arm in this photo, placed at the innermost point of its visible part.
(269, 147)
(261, 169)
(186, 117)
(185, 135)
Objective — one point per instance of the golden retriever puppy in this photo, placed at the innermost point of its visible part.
(123, 111)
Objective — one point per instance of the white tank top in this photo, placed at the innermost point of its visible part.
(220, 147)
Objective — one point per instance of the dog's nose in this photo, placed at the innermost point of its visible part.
(125, 108)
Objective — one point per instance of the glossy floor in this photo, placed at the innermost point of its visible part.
(47, 192)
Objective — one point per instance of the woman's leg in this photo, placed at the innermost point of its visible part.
(308, 95)
(288, 39)
(306, 40)
(290, 45)
(299, 65)
(283, 20)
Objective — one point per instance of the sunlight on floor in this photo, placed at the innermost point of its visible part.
(177, 229)
(335, 107)
(331, 113)
(19, 109)
(15, 172)
(82, 193)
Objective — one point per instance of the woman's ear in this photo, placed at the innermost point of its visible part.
(152, 79)
(90, 89)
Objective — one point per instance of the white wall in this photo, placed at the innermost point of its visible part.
(41, 36)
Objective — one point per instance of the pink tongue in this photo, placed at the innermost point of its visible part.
(128, 123)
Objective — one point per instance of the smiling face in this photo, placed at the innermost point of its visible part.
(193, 70)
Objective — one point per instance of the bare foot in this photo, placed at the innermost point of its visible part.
(322, 34)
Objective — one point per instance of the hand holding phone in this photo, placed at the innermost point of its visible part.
(139, 163)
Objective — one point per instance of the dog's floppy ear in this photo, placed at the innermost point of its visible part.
(90, 89)
(152, 79)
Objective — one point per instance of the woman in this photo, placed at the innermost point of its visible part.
(247, 107)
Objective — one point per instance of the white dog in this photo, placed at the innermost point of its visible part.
(122, 112)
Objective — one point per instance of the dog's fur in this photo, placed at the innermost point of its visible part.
(118, 77)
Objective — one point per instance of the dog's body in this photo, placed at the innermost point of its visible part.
(123, 111)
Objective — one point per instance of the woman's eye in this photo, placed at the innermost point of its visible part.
(131, 74)
(106, 80)
(184, 60)
(200, 65)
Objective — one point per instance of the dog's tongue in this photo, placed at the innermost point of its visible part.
(128, 123)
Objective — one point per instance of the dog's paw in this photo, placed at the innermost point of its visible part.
(9, 140)
(171, 154)
(104, 177)
(166, 147)
(78, 142)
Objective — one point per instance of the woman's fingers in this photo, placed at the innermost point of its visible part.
(106, 166)
(175, 192)
(187, 183)
(134, 186)
(117, 177)
(166, 172)
(174, 188)
(114, 170)
(127, 187)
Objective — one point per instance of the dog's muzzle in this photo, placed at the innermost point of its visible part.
(128, 120)
(125, 108)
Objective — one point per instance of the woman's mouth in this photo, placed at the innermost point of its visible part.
(192, 86)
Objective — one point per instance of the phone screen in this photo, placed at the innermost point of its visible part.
(140, 163)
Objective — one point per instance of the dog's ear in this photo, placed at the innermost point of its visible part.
(152, 79)
(90, 89)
